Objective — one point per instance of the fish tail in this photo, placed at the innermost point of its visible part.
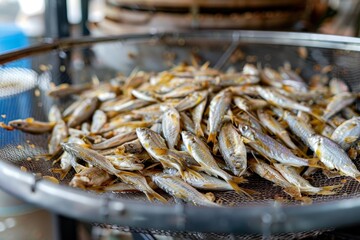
(322, 119)
(194, 173)
(61, 172)
(152, 195)
(326, 193)
(238, 189)
(293, 192)
(198, 131)
(315, 162)
(239, 180)
(212, 137)
(305, 200)
(357, 178)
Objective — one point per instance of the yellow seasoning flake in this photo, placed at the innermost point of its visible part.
(62, 68)
(19, 147)
(32, 145)
(44, 67)
(24, 169)
(51, 179)
(37, 92)
(28, 158)
(210, 196)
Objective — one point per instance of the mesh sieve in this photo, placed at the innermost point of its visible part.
(78, 61)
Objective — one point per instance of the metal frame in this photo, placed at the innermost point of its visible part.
(265, 219)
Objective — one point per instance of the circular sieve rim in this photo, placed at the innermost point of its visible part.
(243, 36)
(272, 217)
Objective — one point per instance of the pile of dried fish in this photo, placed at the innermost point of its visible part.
(195, 128)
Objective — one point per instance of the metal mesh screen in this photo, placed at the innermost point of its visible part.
(105, 60)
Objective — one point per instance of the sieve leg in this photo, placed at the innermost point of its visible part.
(64, 227)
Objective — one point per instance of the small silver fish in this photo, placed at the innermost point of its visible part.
(293, 177)
(333, 156)
(218, 107)
(91, 177)
(232, 149)
(271, 149)
(197, 115)
(347, 133)
(277, 99)
(59, 133)
(179, 189)
(264, 170)
(98, 120)
(337, 103)
(300, 128)
(200, 152)
(30, 125)
(171, 127)
(192, 100)
(274, 127)
(117, 140)
(54, 114)
(127, 163)
(82, 112)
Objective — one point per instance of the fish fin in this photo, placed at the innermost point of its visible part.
(239, 180)
(305, 200)
(212, 138)
(298, 152)
(160, 151)
(293, 192)
(87, 142)
(78, 168)
(315, 162)
(357, 179)
(151, 195)
(237, 189)
(199, 132)
(61, 172)
(6, 127)
(331, 188)
(331, 174)
(351, 139)
(193, 172)
(197, 168)
(326, 192)
(246, 140)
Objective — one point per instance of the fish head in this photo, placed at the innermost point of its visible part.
(188, 138)
(315, 141)
(246, 131)
(19, 124)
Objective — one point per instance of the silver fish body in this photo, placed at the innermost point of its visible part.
(232, 149)
(337, 103)
(59, 133)
(333, 156)
(171, 127)
(98, 120)
(218, 107)
(270, 148)
(347, 133)
(275, 127)
(83, 112)
(300, 128)
(30, 125)
(179, 189)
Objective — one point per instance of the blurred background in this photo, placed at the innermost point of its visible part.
(24, 22)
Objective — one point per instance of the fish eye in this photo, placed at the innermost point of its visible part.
(244, 128)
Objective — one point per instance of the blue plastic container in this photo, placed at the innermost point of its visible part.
(11, 38)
